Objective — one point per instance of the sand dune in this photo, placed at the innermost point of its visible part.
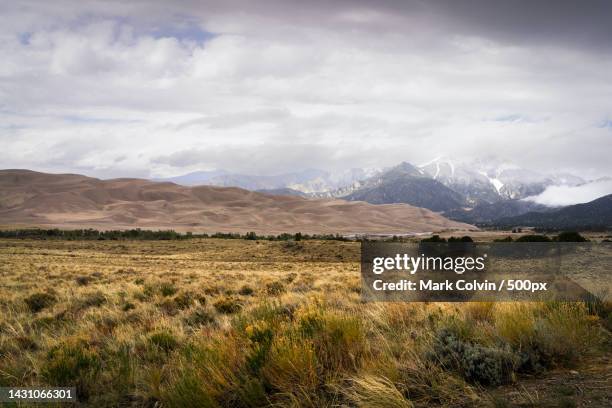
(75, 201)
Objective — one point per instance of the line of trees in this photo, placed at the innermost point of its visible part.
(140, 234)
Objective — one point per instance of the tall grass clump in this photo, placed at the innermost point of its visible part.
(374, 391)
(72, 363)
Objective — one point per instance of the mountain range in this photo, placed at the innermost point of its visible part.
(482, 191)
(76, 201)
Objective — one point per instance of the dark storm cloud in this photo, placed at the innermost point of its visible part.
(561, 22)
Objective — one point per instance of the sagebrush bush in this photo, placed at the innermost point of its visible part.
(83, 280)
(275, 288)
(167, 289)
(246, 290)
(184, 300)
(227, 305)
(475, 362)
(39, 301)
(200, 317)
(91, 299)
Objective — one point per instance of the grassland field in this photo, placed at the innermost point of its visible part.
(237, 323)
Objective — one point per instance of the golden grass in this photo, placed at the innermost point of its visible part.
(254, 323)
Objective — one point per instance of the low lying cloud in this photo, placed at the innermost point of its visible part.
(556, 196)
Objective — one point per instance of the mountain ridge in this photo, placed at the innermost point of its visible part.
(75, 201)
(594, 214)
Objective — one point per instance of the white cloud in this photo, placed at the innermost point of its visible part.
(556, 196)
(401, 83)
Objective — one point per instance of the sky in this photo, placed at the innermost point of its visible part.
(159, 88)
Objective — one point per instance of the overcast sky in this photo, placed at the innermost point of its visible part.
(160, 88)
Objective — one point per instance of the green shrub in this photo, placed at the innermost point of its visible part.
(533, 238)
(476, 363)
(184, 300)
(164, 340)
(246, 291)
(227, 305)
(570, 236)
(167, 289)
(83, 280)
(465, 238)
(200, 317)
(275, 288)
(434, 238)
(91, 299)
(40, 300)
(127, 306)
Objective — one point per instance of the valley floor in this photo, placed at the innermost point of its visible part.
(238, 323)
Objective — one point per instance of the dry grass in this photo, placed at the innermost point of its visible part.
(252, 323)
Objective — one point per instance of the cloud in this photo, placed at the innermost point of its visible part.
(352, 83)
(556, 196)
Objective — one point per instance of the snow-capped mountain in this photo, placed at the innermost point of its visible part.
(407, 184)
(475, 184)
(442, 184)
(491, 180)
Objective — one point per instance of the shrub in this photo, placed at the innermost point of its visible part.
(167, 289)
(570, 236)
(465, 238)
(227, 305)
(199, 317)
(290, 277)
(164, 340)
(127, 306)
(72, 363)
(184, 300)
(92, 299)
(434, 238)
(168, 306)
(533, 238)
(83, 280)
(40, 300)
(476, 363)
(275, 288)
(246, 290)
